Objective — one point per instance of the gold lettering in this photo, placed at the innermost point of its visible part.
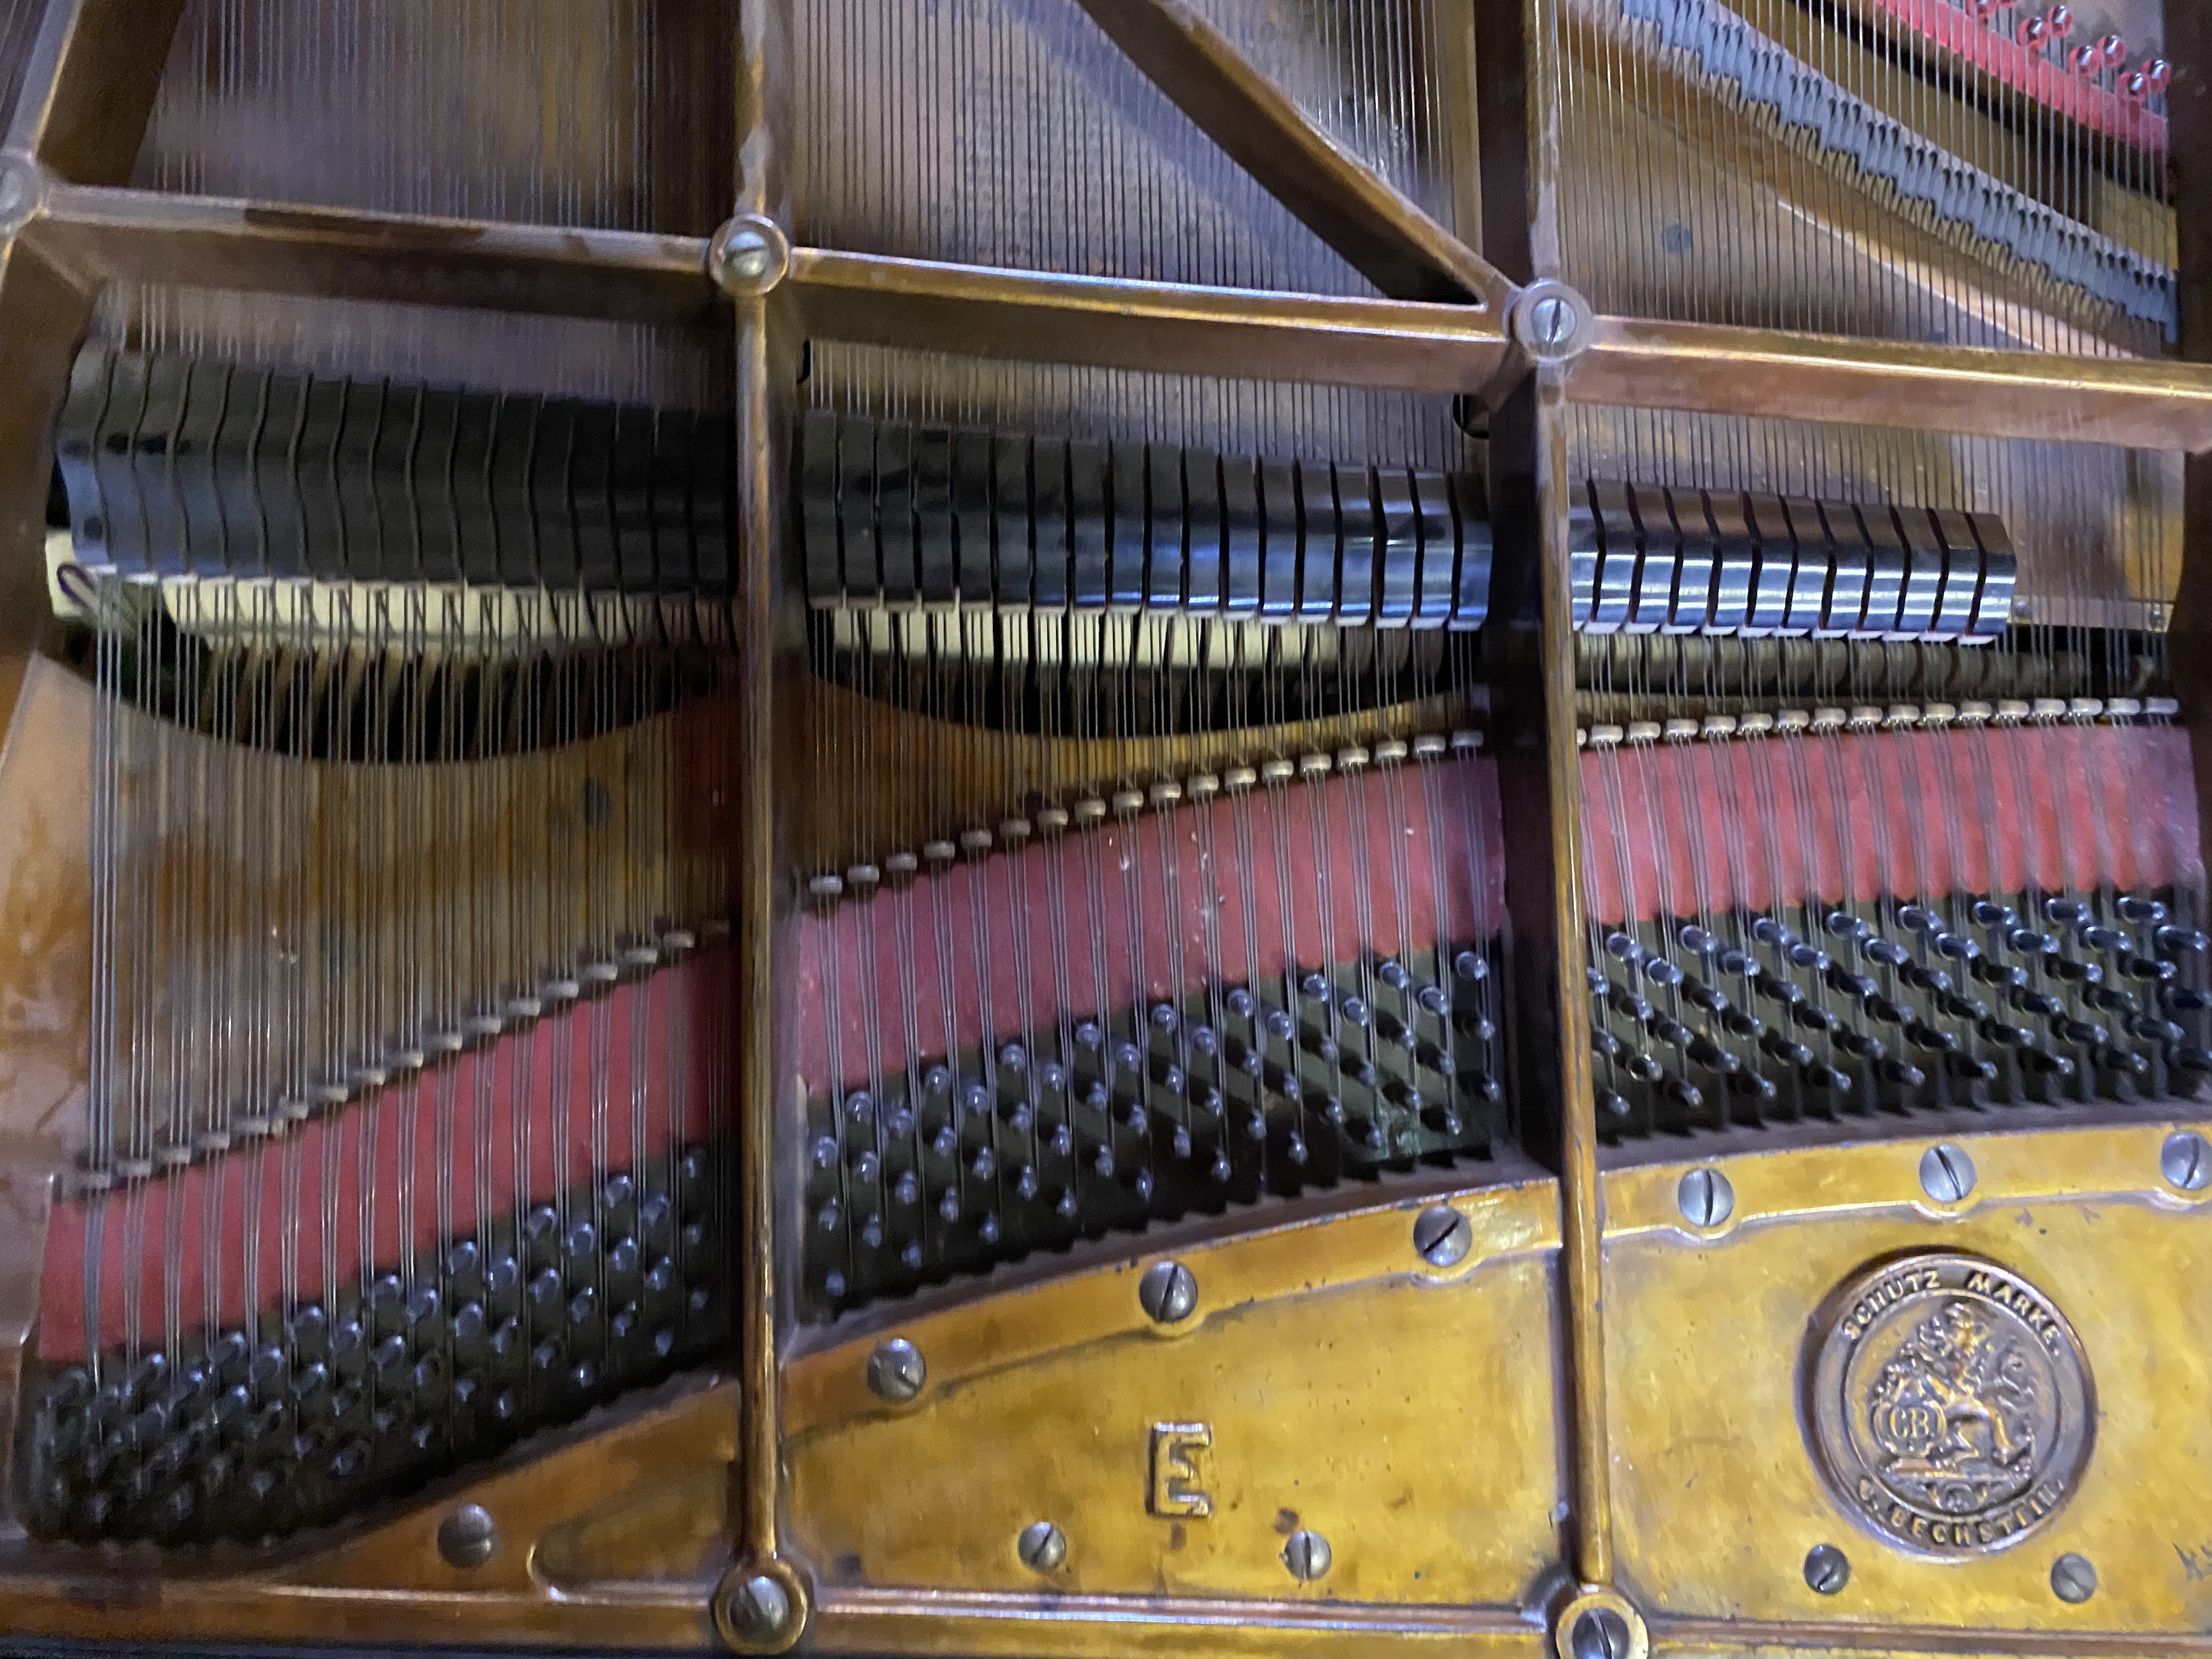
(1175, 1489)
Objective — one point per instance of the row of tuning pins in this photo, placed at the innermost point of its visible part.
(1850, 1003)
(1812, 1008)
(1224, 1092)
(1232, 1092)
(296, 1415)
(2046, 30)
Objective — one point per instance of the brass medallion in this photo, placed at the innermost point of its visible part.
(1951, 1404)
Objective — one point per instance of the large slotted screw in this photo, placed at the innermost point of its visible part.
(1167, 1292)
(1306, 1553)
(1946, 1174)
(1600, 1633)
(1442, 1235)
(2073, 1579)
(1827, 1569)
(896, 1370)
(1043, 1546)
(2186, 1162)
(1706, 1197)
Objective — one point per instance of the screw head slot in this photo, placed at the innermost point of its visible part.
(2073, 1579)
(896, 1370)
(1442, 1235)
(1599, 1633)
(750, 255)
(1706, 1196)
(1168, 1292)
(1306, 1553)
(1043, 1546)
(1827, 1569)
(1946, 1174)
(467, 1537)
(2186, 1162)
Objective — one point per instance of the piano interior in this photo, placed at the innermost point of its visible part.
(1008, 826)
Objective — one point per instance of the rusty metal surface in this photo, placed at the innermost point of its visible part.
(606, 1535)
(1674, 1410)
(1327, 1378)
(1714, 1338)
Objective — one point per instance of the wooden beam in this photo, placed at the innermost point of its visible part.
(2139, 403)
(1399, 248)
(1168, 328)
(88, 89)
(125, 236)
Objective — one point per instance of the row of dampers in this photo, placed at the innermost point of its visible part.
(894, 514)
(248, 1433)
(1646, 558)
(178, 467)
(1817, 1011)
(1221, 1098)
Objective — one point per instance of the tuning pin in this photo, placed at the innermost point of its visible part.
(1985, 9)
(1779, 1044)
(1903, 1074)
(2151, 1028)
(1962, 1007)
(2114, 1059)
(2173, 941)
(2135, 88)
(1859, 1044)
(2113, 50)
(2085, 61)
(1967, 1069)
(2032, 31)
(2059, 20)
(2158, 74)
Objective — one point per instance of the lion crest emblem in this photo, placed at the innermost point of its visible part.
(1953, 1409)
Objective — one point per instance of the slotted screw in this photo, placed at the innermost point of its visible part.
(750, 257)
(747, 254)
(1706, 1197)
(1600, 1633)
(1306, 1554)
(1442, 1235)
(755, 1612)
(2186, 1162)
(2072, 1578)
(1551, 321)
(1946, 1174)
(896, 1370)
(1167, 1292)
(1827, 1569)
(467, 1537)
(1043, 1546)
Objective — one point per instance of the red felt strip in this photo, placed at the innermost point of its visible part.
(1916, 814)
(1308, 868)
(574, 1069)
